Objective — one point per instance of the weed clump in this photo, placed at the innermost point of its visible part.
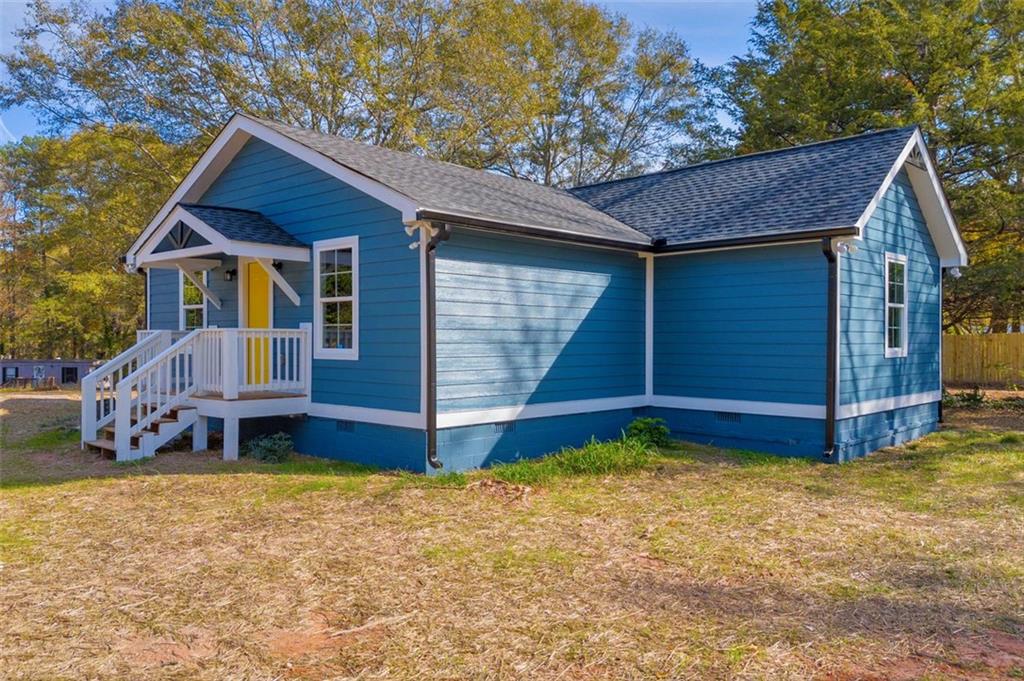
(593, 458)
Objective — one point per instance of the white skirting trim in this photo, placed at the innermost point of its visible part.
(384, 417)
(801, 411)
(247, 409)
(455, 419)
(536, 411)
(885, 404)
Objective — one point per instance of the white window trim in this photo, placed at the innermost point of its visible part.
(181, 301)
(904, 330)
(320, 352)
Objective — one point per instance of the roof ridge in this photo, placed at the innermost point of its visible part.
(738, 157)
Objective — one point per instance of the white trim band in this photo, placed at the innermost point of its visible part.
(791, 409)
(535, 411)
(456, 419)
(887, 403)
(383, 417)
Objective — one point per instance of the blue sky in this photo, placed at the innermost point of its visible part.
(714, 29)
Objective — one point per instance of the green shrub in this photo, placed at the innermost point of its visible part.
(593, 458)
(270, 448)
(651, 431)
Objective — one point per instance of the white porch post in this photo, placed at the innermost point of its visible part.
(307, 359)
(199, 433)
(231, 438)
(230, 366)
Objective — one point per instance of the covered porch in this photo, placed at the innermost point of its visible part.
(171, 381)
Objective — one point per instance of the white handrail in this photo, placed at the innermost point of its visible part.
(224, 361)
(158, 386)
(99, 386)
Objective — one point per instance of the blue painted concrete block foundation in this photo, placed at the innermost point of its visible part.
(862, 435)
(780, 435)
(367, 443)
(480, 446)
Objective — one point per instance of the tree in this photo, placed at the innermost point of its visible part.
(822, 68)
(555, 90)
(71, 207)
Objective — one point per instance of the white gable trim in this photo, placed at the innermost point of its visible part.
(219, 244)
(239, 130)
(932, 199)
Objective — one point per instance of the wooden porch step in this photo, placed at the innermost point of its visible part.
(111, 433)
(105, 447)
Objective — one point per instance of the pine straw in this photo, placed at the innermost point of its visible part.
(708, 565)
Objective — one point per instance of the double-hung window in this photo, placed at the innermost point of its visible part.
(336, 304)
(895, 305)
(193, 304)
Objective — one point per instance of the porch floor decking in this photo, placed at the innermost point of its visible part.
(262, 395)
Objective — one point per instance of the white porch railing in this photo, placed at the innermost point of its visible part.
(143, 334)
(99, 387)
(209, 362)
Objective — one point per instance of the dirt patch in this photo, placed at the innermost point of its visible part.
(25, 414)
(506, 491)
(319, 636)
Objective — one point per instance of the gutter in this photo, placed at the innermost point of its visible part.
(438, 232)
(831, 347)
(656, 246)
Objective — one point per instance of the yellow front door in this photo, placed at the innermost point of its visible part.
(257, 316)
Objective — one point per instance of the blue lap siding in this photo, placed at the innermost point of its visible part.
(746, 324)
(524, 321)
(896, 226)
(164, 299)
(312, 206)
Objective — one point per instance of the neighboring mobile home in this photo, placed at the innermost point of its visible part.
(40, 371)
(409, 313)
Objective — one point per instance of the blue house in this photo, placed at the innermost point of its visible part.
(389, 309)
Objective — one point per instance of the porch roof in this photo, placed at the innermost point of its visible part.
(242, 225)
(196, 237)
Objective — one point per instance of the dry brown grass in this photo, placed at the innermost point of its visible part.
(710, 564)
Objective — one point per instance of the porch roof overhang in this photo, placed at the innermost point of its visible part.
(194, 237)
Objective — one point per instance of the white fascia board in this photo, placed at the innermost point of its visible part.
(227, 144)
(190, 264)
(931, 198)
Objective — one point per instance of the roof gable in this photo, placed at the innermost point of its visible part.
(788, 191)
(825, 188)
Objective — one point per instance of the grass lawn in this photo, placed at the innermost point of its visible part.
(703, 563)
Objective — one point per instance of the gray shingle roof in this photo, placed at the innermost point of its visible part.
(242, 225)
(459, 191)
(806, 188)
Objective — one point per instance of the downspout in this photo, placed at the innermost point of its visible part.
(831, 348)
(438, 232)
